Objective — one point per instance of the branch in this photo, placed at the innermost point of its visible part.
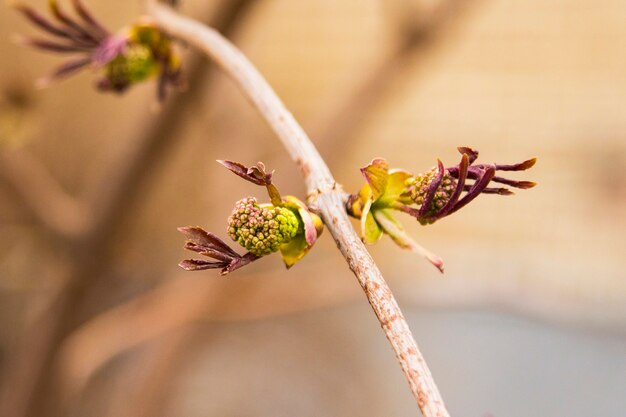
(30, 382)
(153, 383)
(182, 300)
(328, 197)
(42, 196)
(340, 121)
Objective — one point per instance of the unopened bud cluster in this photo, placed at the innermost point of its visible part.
(417, 189)
(261, 229)
(135, 64)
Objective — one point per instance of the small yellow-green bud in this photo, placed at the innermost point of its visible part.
(136, 64)
(261, 229)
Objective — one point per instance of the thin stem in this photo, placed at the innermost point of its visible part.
(328, 197)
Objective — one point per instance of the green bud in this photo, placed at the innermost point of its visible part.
(261, 229)
(136, 64)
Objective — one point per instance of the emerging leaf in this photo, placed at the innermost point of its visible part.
(256, 175)
(370, 231)
(376, 175)
(395, 230)
(312, 227)
(395, 187)
(294, 250)
(207, 244)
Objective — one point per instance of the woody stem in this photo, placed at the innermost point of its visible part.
(329, 199)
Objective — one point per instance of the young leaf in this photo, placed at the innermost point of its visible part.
(376, 175)
(402, 239)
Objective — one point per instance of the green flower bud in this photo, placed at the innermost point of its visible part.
(417, 189)
(261, 229)
(136, 64)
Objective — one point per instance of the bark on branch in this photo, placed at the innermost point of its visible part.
(327, 196)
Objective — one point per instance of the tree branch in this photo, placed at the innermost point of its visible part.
(340, 121)
(29, 387)
(327, 197)
(42, 196)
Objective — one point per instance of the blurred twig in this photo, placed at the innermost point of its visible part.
(41, 196)
(29, 388)
(33, 187)
(181, 301)
(328, 197)
(340, 122)
(142, 319)
(151, 388)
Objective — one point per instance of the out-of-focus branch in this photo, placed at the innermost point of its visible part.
(339, 123)
(29, 387)
(125, 327)
(183, 300)
(328, 198)
(151, 389)
(31, 185)
(41, 195)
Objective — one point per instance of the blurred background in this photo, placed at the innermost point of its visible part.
(96, 319)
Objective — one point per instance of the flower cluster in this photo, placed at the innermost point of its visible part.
(285, 225)
(122, 59)
(261, 229)
(428, 197)
(418, 187)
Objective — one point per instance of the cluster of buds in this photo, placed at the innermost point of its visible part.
(134, 54)
(285, 225)
(261, 229)
(418, 187)
(428, 197)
